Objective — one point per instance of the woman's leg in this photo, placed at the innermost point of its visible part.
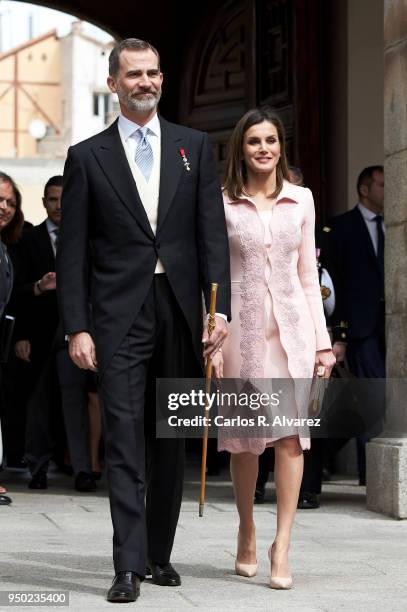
(95, 430)
(244, 468)
(289, 463)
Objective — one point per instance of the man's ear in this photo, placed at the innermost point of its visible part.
(43, 201)
(364, 190)
(111, 84)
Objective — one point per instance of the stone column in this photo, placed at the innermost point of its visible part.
(387, 455)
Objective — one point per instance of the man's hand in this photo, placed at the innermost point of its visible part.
(82, 351)
(339, 350)
(22, 349)
(217, 338)
(46, 283)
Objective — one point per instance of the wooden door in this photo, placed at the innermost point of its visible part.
(253, 52)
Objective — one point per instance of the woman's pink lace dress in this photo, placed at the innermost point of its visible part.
(278, 321)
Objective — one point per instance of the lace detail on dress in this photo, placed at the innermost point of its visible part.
(286, 242)
(253, 290)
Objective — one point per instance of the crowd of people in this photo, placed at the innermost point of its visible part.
(50, 408)
(106, 295)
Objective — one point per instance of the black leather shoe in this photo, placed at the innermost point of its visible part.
(38, 481)
(164, 575)
(259, 494)
(125, 588)
(5, 500)
(84, 482)
(308, 501)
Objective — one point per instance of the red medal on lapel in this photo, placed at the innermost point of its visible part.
(185, 159)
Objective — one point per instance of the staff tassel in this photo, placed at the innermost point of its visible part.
(208, 378)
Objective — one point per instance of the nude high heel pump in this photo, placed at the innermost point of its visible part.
(245, 569)
(277, 582)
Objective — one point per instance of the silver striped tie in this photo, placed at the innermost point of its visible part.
(144, 153)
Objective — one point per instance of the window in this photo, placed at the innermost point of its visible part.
(102, 106)
(96, 104)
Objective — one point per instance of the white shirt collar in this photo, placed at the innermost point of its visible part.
(128, 127)
(51, 227)
(367, 214)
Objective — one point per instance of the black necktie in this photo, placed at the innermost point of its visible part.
(380, 242)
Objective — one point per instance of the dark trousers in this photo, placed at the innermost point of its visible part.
(266, 465)
(74, 397)
(366, 358)
(60, 382)
(16, 384)
(43, 409)
(159, 344)
(313, 464)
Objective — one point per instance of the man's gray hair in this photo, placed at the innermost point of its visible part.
(136, 44)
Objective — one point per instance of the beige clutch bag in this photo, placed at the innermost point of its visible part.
(318, 388)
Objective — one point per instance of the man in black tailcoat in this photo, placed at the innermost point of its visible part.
(143, 233)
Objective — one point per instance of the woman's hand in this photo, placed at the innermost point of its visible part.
(217, 364)
(324, 359)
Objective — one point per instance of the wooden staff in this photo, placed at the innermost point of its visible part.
(208, 378)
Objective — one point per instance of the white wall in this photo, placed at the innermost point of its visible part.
(90, 69)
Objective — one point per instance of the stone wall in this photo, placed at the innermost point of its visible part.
(387, 456)
(395, 142)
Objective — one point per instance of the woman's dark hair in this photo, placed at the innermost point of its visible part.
(12, 232)
(236, 173)
(296, 176)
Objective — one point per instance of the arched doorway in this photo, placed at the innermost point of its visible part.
(221, 58)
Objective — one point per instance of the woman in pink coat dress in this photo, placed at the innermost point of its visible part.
(278, 326)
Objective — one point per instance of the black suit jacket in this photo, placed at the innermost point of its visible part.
(6, 278)
(107, 251)
(36, 317)
(358, 281)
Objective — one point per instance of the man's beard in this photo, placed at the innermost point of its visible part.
(140, 105)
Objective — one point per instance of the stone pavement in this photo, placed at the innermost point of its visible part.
(343, 557)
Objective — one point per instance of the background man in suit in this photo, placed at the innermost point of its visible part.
(38, 319)
(357, 264)
(143, 233)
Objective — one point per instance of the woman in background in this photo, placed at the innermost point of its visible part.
(11, 224)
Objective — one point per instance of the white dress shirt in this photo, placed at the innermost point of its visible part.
(127, 129)
(52, 232)
(370, 221)
(148, 191)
